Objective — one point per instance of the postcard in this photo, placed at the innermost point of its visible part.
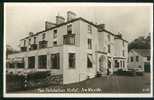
(78, 50)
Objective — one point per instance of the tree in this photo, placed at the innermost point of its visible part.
(140, 43)
(10, 50)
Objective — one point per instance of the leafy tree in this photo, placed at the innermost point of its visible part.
(10, 50)
(140, 43)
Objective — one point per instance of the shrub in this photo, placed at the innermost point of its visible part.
(131, 73)
(98, 74)
(38, 75)
(16, 82)
(126, 73)
(119, 72)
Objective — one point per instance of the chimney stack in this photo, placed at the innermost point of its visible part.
(119, 35)
(49, 25)
(70, 15)
(101, 27)
(60, 20)
(30, 33)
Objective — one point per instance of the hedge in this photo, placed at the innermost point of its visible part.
(16, 82)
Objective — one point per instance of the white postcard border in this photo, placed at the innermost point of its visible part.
(77, 95)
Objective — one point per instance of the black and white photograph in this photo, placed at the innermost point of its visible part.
(78, 50)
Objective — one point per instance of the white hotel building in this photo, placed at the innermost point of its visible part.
(76, 49)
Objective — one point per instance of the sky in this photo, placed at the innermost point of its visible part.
(131, 20)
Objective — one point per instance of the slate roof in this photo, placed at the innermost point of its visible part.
(80, 18)
(143, 52)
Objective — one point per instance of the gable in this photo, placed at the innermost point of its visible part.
(133, 53)
(143, 52)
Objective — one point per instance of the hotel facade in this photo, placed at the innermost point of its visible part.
(75, 49)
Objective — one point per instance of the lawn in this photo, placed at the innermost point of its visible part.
(112, 84)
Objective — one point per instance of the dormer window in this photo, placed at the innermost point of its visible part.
(69, 29)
